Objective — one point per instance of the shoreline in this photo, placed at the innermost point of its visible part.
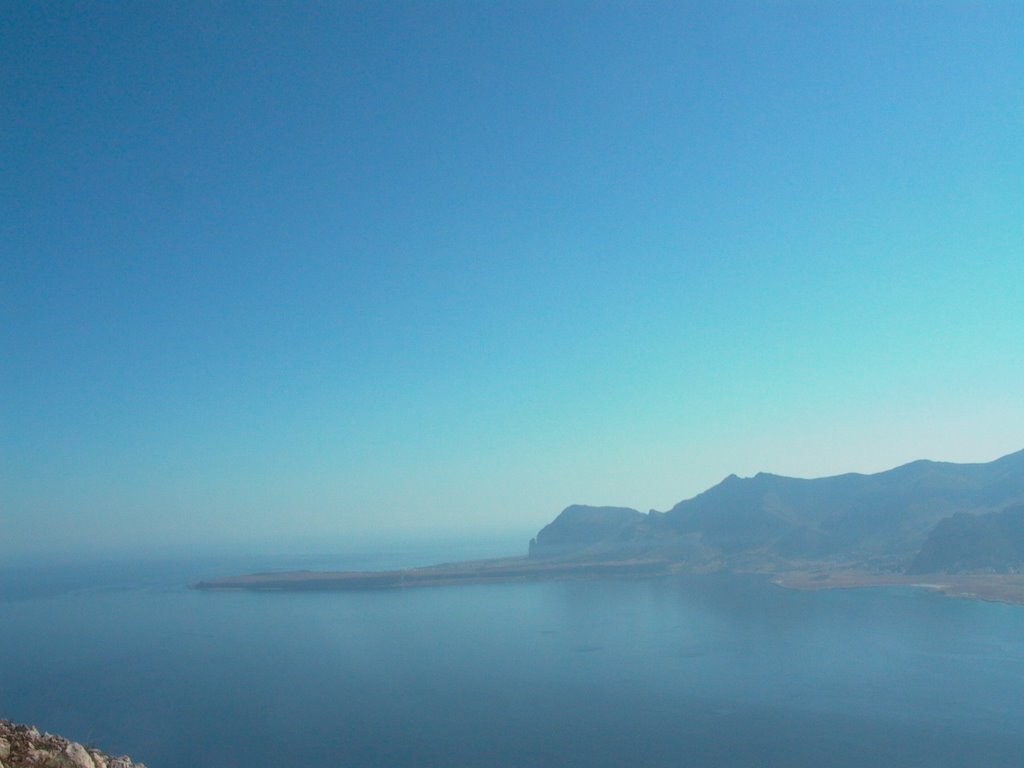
(992, 588)
(496, 571)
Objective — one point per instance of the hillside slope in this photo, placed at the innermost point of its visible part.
(882, 519)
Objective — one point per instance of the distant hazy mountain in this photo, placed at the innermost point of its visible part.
(991, 543)
(883, 520)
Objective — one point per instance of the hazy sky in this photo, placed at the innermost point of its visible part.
(314, 270)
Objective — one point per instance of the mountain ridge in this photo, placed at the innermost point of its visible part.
(884, 517)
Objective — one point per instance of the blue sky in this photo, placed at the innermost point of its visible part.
(312, 271)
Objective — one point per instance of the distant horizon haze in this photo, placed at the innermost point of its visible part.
(471, 538)
(288, 274)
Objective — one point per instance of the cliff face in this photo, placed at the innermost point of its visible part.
(581, 527)
(22, 746)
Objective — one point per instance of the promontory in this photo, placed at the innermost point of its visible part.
(958, 528)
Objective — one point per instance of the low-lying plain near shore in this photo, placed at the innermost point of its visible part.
(510, 569)
(994, 587)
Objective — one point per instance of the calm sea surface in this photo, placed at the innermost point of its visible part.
(710, 671)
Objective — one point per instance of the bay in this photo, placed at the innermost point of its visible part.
(697, 671)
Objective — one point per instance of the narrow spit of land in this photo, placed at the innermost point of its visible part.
(1005, 588)
(499, 570)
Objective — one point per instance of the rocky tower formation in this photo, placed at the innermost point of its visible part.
(22, 746)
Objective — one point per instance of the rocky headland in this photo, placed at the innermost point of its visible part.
(23, 746)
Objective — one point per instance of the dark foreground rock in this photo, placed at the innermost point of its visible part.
(22, 746)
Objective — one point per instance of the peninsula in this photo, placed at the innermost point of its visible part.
(957, 528)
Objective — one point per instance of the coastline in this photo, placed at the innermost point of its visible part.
(993, 588)
(495, 571)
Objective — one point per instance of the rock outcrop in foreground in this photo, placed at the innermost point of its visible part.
(22, 746)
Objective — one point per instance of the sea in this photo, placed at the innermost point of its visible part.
(715, 671)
